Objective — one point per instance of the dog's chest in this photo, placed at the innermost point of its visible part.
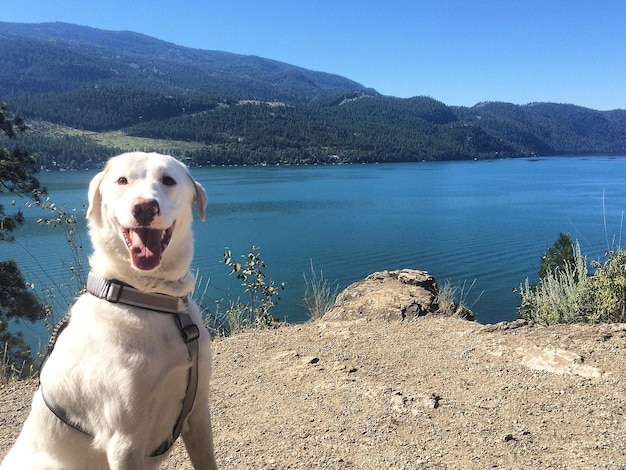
(108, 342)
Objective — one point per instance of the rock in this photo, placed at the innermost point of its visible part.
(557, 361)
(431, 401)
(503, 326)
(391, 295)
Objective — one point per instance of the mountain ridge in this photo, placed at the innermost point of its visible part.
(214, 108)
(161, 56)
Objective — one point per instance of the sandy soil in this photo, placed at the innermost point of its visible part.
(433, 392)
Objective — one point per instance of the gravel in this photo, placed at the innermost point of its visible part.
(433, 392)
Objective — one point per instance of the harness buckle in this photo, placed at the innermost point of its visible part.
(114, 292)
(190, 333)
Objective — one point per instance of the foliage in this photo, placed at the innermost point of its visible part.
(17, 168)
(609, 287)
(563, 295)
(12, 366)
(558, 257)
(319, 296)
(568, 293)
(17, 301)
(262, 292)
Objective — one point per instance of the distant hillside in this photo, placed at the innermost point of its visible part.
(60, 57)
(89, 93)
(551, 129)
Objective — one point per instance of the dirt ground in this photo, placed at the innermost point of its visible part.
(433, 392)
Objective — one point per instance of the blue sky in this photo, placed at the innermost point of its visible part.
(460, 52)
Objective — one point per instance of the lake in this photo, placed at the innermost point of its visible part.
(485, 223)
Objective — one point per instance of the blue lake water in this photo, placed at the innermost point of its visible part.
(481, 222)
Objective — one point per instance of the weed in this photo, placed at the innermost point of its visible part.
(62, 292)
(262, 292)
(319, 296)
(213, 321)
(453, 299)
(12, 370)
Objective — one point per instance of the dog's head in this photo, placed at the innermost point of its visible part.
(140, 211)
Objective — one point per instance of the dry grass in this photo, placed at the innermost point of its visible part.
(118, 139)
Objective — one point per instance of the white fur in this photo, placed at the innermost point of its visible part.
(122, 371)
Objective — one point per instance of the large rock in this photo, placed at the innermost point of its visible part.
(391, 295)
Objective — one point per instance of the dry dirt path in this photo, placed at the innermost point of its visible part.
(433, 392)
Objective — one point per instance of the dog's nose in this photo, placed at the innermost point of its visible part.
(144, 210)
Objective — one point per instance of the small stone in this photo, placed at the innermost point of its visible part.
(432, 401)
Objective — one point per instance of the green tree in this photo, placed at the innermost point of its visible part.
(558, 257)
(17, 301)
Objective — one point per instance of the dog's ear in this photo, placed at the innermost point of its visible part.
(94, 195)
(200, 198)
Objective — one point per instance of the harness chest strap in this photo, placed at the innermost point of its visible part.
(117, 292)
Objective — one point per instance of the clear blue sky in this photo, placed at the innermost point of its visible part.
(457, 51)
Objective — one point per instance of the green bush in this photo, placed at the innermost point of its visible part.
(563, 294)
(262, 292)
(568, 293)
(609, 287)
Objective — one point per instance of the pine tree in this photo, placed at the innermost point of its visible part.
(17, 301)
(558, 256)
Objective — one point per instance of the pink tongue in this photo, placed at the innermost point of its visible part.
(146, 248)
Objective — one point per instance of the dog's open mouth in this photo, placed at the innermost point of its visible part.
(146, 245)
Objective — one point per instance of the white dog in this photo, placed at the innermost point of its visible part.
(120, 381)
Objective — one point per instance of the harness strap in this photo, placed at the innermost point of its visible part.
(58, 411)
(53, 340)
(62, 414)
(118, 292)
(190, 334)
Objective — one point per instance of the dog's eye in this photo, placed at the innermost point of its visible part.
(122, 180)
(169, 181)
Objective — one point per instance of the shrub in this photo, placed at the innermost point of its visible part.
(569, 294)
(609, 286)
(563, 295)
(262, 292)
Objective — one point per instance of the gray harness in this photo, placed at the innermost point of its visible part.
(118, 292)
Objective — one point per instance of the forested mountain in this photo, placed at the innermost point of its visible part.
(89, 93)
(60, 57)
